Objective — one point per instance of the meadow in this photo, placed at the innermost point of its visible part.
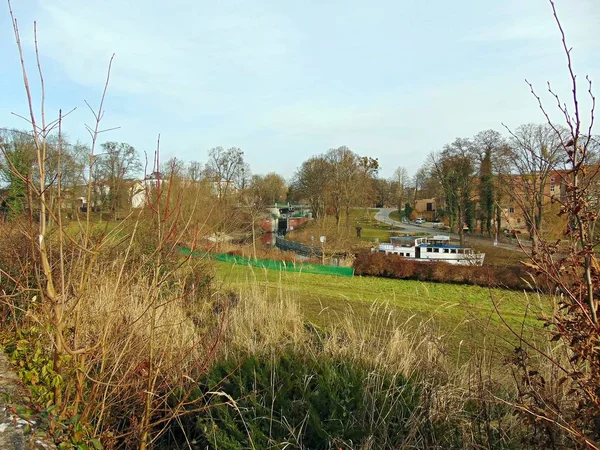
(463, 315)
(344, 237)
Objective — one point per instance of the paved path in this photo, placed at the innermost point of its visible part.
(384, 216)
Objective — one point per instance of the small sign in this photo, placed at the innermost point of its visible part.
(322, 239)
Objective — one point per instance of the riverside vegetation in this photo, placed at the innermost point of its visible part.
(124, 343)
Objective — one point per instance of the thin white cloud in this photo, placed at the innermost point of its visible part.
(519, 22)
(389, 79)
(169, 57)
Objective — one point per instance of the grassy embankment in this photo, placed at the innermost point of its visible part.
(464, 315)
(344, 237)
(396, 215)
(393, 330)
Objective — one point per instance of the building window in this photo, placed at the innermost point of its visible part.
(551, 179)
(511, 210)
(552, 188)
(429, 206)
(518, 220)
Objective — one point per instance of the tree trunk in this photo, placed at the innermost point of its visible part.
(254, 238)
(498, 221)
(461, 231)
(348, 217)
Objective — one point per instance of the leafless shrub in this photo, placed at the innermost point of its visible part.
(122, 334)
(558, 386)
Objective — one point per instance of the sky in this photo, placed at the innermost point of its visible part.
(288, 79)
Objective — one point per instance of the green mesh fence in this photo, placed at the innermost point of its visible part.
(271, 264)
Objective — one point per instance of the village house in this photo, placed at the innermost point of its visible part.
(514, 217)
(426, 208)
(511, 209)
(141, 188)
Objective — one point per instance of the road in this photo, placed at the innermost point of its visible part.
(384, 216)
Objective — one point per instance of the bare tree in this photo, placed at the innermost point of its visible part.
(173, 167)
(311, 183)
(364, 192)
(262, 192)
(385, 191)
(402, 180)
(194, 171)
(571, 265)
(454, 171)
(227, 169)
(534, 154)
(271, 187)
(344, 168)
(419, 181)
(111, 168)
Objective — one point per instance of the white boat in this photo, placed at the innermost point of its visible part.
(436, 248)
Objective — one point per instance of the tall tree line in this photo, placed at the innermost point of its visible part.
(334, 182)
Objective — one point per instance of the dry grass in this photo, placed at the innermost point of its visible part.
(126, 316)
(257, 325)
(464, 396)
(123, 315)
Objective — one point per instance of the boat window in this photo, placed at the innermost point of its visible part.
(428, 250)
(453, 250)
(445, 250)
(436, 250)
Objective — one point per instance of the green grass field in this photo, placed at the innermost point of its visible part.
(373, 229)
(463, 314)
(396, 215)
(345, 238)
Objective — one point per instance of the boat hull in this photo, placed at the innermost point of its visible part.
(438, 251)
(464, 260)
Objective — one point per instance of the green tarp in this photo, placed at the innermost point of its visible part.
(273, 265)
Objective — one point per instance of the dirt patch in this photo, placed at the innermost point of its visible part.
(12, 427)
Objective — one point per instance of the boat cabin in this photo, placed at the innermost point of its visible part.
(436, 248)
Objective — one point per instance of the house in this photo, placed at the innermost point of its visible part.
(554, 190)
(426, 208)
(223, 188)
(140, 189)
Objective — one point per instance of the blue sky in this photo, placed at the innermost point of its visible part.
(287, 79)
